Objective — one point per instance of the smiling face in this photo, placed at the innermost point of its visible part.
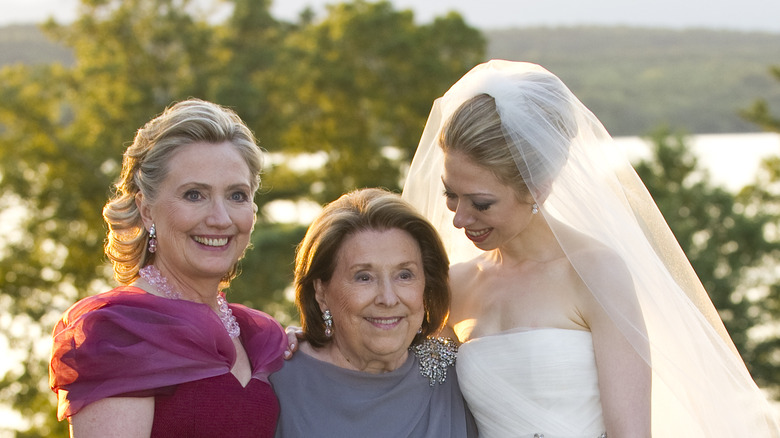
(376, 298)
(489, 211)
(203, 213)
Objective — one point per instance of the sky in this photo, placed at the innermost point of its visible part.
(739, 15)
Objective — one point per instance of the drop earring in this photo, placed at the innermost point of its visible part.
(328, 318)
(152, 239)
(535, 208)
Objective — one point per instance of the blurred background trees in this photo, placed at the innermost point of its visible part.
(348, 91)
(732, 243)
(761, 200)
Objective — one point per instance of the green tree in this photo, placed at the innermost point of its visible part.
(725, 237)
(760, 113)
(762, 198)
(355, 89)
(245, 52)
(56, 180)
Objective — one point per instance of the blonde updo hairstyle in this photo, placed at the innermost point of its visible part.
(525, 141)
(145, 167)
(475, 131)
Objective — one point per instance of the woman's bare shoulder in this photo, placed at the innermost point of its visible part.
(460, 269)
(461, 274)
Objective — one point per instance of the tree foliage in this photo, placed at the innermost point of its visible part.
(760, 113)
(634, 78)
(353, 85)
(762, 198)
(729, 242)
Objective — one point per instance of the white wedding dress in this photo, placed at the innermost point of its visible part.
(532, 382)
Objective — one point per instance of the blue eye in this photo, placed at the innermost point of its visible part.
(192, 195)
(239, 197)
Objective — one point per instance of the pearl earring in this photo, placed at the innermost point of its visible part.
(535, 208)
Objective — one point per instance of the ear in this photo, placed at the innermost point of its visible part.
(319, 294)
(145, 209)
(540, 194)
(254, 217)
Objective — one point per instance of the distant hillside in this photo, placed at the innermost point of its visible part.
(28, 45)
(636, 79)
(633, 79)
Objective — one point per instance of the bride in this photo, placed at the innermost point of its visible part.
(579, 314)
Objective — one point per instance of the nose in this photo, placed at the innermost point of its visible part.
(219, 216)
(462, 218)
(386, 294)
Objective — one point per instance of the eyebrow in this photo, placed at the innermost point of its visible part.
(403, 264)
(446, 188)
(200, 185)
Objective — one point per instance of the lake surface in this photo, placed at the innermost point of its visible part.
(731, 159)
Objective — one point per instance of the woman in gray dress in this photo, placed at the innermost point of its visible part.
(371, 286)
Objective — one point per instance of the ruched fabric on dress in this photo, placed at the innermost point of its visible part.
(532, 381)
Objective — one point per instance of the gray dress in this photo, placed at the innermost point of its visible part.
(323, 400)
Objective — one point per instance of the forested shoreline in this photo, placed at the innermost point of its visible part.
(635, 79)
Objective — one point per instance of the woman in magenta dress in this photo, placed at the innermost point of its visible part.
(165, 354)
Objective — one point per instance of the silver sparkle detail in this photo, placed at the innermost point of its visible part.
(435, 355)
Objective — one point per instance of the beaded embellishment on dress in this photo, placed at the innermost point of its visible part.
(435, 356)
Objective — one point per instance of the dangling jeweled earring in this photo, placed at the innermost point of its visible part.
(535, 208)
(152, 239)
(328, 318)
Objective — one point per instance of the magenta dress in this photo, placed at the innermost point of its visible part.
(129, 343)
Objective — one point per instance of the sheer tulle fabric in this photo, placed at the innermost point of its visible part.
(583, 182)
(129, 342)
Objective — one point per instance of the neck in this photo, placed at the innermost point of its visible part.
(536, 243)
(155, 280)
(343, 358)
(202, 291)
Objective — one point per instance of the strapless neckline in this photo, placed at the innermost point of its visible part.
(532, 380)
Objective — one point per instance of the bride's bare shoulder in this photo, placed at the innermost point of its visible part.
(584, 249)
(463, 271)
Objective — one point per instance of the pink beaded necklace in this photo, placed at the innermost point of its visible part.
(154, 277)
